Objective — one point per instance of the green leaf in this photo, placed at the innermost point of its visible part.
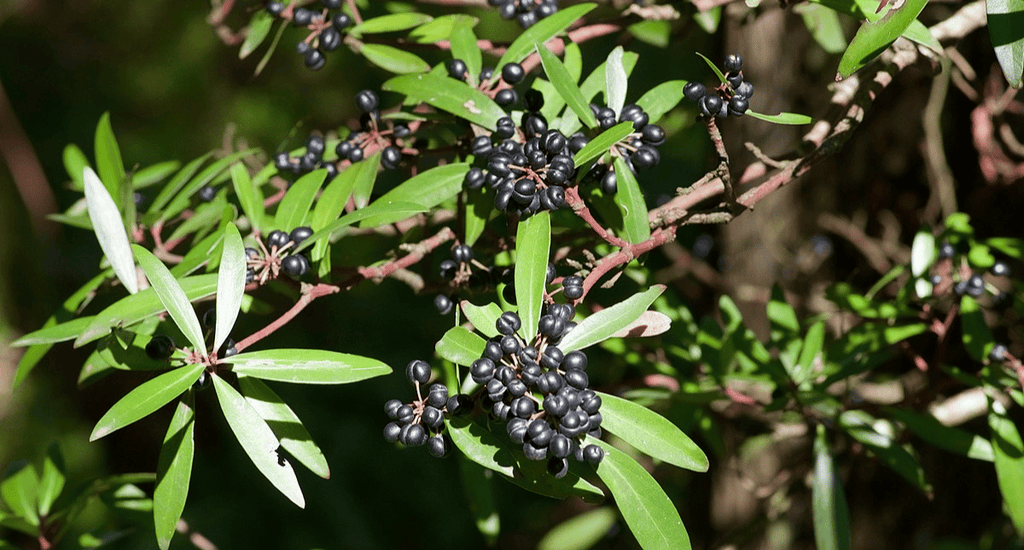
(479, 206)
(270, 50)
(922, 35)
(306, 366)
(297, 201)
(393, 59)
(444, 28)
(476, 480)
(258, 441)
(661, 99)
(146, 399)
(573, 61)
(604, 141)
(285, 425)
(829, 509)
(460, 346)
(108, 157)
(483, 448)
(593, 85)
(654, 32)
(1006, 29)
(383, 212)
(631, 203)
(955, 440)
(427, 189)
(648, 512)
(566, 87)
(533, 244)
(781, 315)
(1009, 460)
(603, 324)
(75, 163)
(51, 480)
(792, 119)
(922, 252)
(540, 33)
(977, 337)
(109, 228)
(173, 297)
(874, 37)
(465, 47)
(813, 342)
(54, 333)
(249, 197)
(19, 491)
(651, 433)
(482, 317)
(259, 28)
(390, 23)
(449, 95)
(154, 174)
(174, 470)
(860, 426)
(616, 83)
(580, 532)
(824, 26)
(1010, 246)
(146, 303)
(230, 284)
(332, 201)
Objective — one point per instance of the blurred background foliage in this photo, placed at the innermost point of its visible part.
(175, 91)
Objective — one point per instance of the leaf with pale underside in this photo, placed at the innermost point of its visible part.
(306, 366)
(109, 228)
(230, 284)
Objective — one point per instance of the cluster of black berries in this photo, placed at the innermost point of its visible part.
(572, 287)
(277, 255)
(639, 149)
(527, 12)
(374, 130)
(458, 270)
(972, 285)
(422, 421)
(312, 159)
(527, 177)
(732, 99)
(326, 26)
(540, 392)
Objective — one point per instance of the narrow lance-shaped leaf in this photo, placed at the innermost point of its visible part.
(831, 517)
(230, 284)
(661, 99)
(533, 244)
(109, 228)
(19, 491)
(580, 532)
(955, 440)
(258, 441)
(651, 433)
(256, 33)
(297, 201)
(977, 337)
(460, 346)
(478, 484)
(174, 471)
(567, 89)
(631, 202)
(791, 119)
(813, 342)
(172, 297)
(390, 23)
(1009, 462)
(51, 479)
(874, 37)
(648, 511)
(248, 195)
(450, 95)
(332, 201)
(393, 59)
(306, 366)
(616, 83)
(465, 47)
(428, 189)
(603, 324)
(285, 424)
(600, 144)
(108, 157)
(146, 399)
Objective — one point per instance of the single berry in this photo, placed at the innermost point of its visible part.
(413, 435)
(609, 183)
(710, 105)
(437, 447)
(512, 73)
(457, 69)
(734, 79)
(693, 91)
(341, 21)
(534, 100)
(1000, 269)
(160, 347)
(575, 360)
(557, 466)
(295, 265)
(653, 135)
(391, 432)
(459, 404)
(391, 157)
(300, 234)
(593, 454)
(417, 371)
(227, 349)
(275, 8)
(391, 408)
(367, 101)
(738, 105)
(207, 193)
(506, 97)
(277, 238)
(330, 39)
(733, 62)
(443, 304)
(302, 17)
(210, 318)
(946, 251)
(315, 59)
(745, 89)
(448, 269)
(998, 353)
(331, 4)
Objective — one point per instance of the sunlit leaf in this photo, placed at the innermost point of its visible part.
(295, 205)
(108, 157)
(109, 228)
(533, 243)
(874, 37)
(230, 284)
(603, 324)
(173, 297)
(1009, 461)
(248, 195)
(829, 509)
(174, 471)
(390, 23)
(631, 203)
(146, 399)
(580, 532)
(541, 32)
(393, 59)
(449, 95)
(482, 317)
(616, 83)
(256, 33)
(600, 144)
(306, 366)
(567, 89)
(1006, 29)
(285, 424)
(460, 346)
